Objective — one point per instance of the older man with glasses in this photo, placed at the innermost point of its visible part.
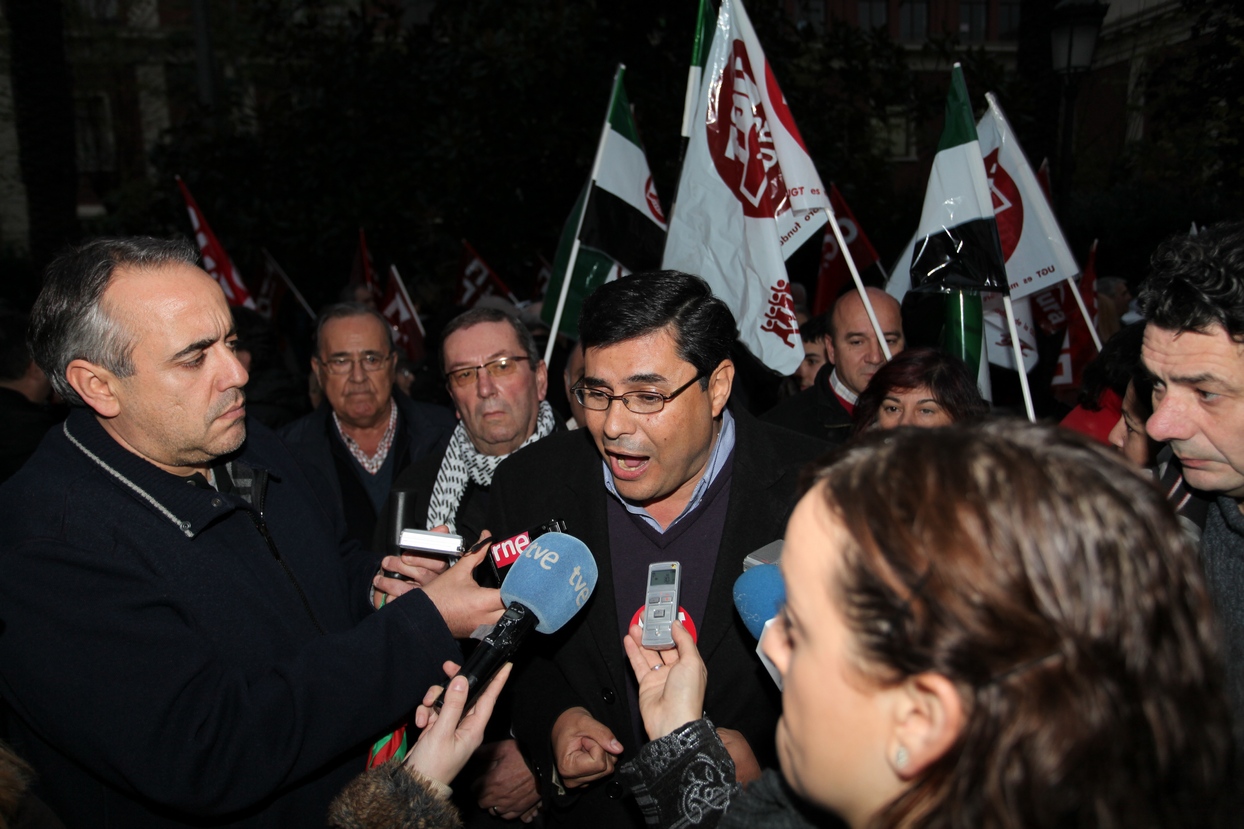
(365, 433)
(663, 470)
(498, 383)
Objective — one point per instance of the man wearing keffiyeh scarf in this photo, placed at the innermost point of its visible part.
(498, 382)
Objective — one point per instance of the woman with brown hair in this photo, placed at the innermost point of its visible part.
(997, 626)
(922, 387)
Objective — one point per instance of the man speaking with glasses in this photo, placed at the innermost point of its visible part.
(665, 470)
(364, 433)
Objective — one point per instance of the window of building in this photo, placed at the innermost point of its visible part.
(873, 14)
(102, 10)
(973, 18)
(93, 133)
(913, 20)
(897, 133)
(1008, 19)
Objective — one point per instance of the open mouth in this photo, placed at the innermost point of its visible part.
(627, 467)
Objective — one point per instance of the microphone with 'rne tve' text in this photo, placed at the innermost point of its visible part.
(545, 587)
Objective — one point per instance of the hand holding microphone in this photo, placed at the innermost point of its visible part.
(548, 585)
(451, 735)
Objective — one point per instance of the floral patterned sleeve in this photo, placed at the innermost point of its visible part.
(686, 778)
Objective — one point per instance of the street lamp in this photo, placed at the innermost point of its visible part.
(1073, 37)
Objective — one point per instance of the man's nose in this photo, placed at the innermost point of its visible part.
(357, 373)
(1169, 420)
(618, 419)
(236, 375)
(874, 355)
(485, 384)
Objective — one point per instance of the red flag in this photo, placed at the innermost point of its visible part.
(275, 272)
(362, 273)
(403, 316)
(1078, 347)
(271, 290)
(479, 280)
(834, 274)
(215, 261)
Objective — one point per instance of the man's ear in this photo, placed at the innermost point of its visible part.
(828, 342)
(96, 386)
(542, 380)
(719, 384)
(928, 718)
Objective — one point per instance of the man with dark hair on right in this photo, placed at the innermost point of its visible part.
(663, 470)
(1193, 347)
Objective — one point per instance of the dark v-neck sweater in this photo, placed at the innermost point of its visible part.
(693, 542)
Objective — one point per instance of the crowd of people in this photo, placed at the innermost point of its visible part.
(206, 617)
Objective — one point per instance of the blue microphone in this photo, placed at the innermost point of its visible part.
(758, 596)
(548, 585)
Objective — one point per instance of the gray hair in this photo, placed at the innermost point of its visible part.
(69, 321)
(476, 316)
(345, 310)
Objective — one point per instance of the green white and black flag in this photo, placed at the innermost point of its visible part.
(618, 228)
(957, 244)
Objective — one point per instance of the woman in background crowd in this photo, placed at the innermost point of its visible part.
(919, 387)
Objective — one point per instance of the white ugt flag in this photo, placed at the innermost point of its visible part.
(749, 194)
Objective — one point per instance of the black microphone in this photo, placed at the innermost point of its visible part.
(546, 586)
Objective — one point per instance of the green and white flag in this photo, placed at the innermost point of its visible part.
(956, 249)
(699, 56)
(617, 225)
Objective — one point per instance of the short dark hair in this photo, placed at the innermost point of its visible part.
(1051, 583)
(345, 310)
(1196, 282)
(476, 316)
(945, 375)
(1116, 366)
(701, 324)
(14, 351)
(68, 321)
(814, 328)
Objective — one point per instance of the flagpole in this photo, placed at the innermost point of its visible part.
(587, 196)
(1075, 292)
(306, 306)
(414, 312)
(1019, 357)
(859, 283)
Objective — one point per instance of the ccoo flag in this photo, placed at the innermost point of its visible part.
(620, 229)
(748, 195)
(215, 261)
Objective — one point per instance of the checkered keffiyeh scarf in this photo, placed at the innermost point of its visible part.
(463, 463)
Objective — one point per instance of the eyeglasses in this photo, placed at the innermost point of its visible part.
(371, 361)
(637, 402)
(497, 369)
